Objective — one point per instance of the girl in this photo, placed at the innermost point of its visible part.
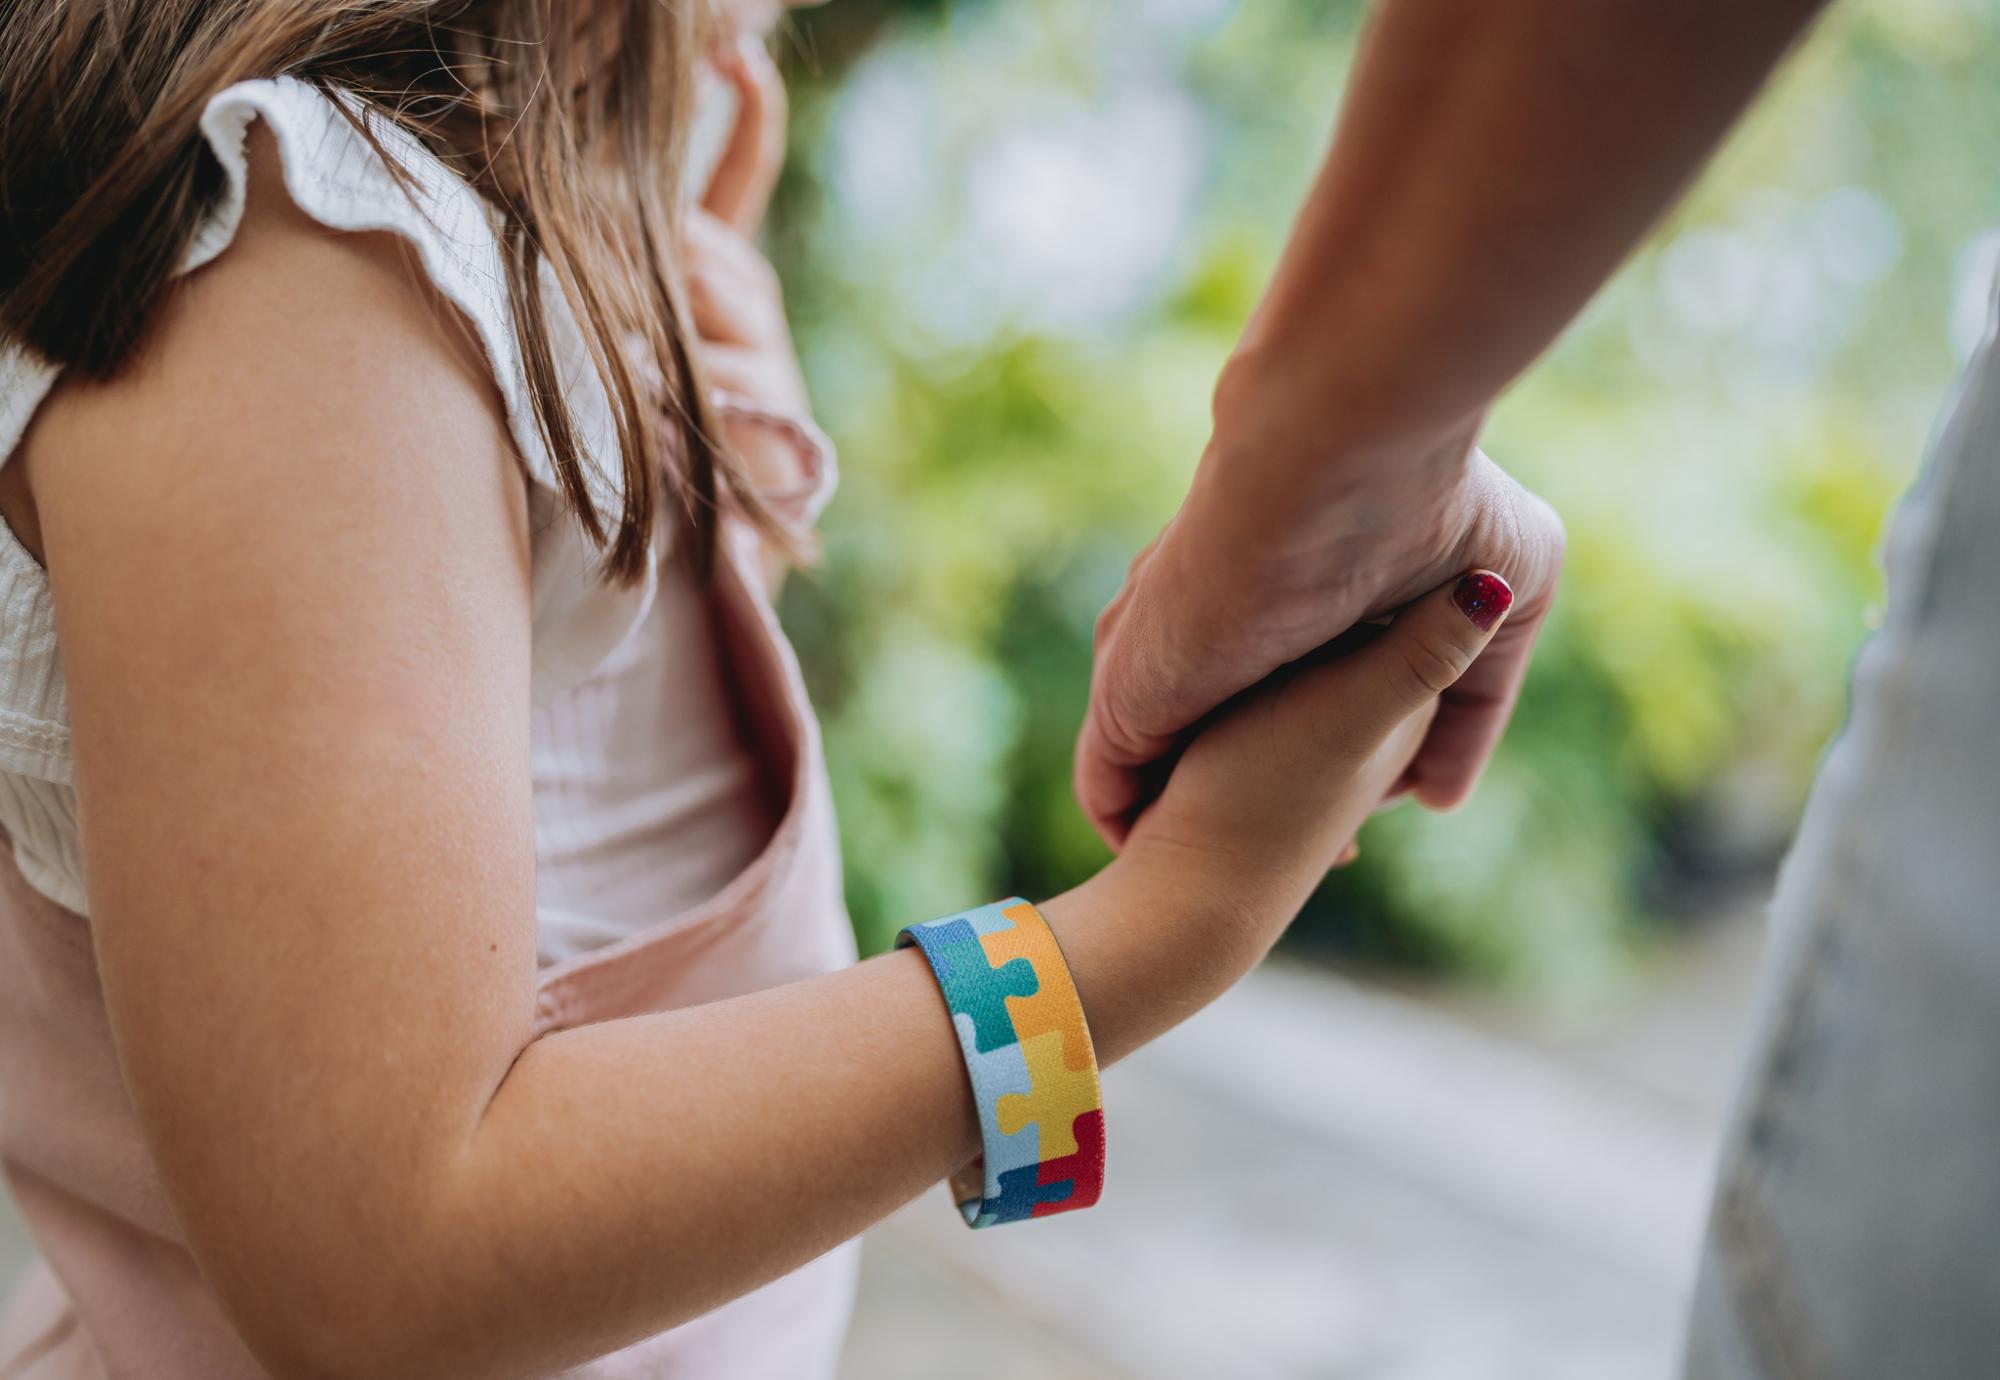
(426, 955)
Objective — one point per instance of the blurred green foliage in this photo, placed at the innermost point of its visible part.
(1019, 240)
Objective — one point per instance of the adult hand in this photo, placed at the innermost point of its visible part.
(1492, 166)
(1264, 563)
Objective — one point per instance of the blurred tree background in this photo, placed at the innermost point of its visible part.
(1019, 239)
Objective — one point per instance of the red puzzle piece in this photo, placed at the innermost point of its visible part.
(1085, 1167)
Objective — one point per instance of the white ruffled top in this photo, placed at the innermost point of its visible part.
(700, 785)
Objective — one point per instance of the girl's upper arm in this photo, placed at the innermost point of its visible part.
(289, 555)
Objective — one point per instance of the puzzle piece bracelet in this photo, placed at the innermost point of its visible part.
(1027, 1052)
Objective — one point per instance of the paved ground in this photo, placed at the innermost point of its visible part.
(1317, 1180)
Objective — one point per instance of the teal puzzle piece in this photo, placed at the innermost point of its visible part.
(971, 984)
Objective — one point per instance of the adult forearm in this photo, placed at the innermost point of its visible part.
(1494, 164)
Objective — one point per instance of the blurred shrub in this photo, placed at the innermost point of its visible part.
(1019, 240)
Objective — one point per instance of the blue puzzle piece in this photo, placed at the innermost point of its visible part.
(1019, 1193)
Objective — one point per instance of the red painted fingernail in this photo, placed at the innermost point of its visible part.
(1482, 596)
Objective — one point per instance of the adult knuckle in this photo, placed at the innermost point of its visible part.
(1527, 534)
(1112, 708)
(1112, 616)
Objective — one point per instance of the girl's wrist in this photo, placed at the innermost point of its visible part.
(1157, 935)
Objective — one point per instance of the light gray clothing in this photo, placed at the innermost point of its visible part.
(1856, 1229)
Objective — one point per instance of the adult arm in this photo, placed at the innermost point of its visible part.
(1493, 165)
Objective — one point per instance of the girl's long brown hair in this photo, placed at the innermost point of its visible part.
(568, 116)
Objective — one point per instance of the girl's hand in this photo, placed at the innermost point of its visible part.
(740, 188)
(744, 341)
(1271, 794)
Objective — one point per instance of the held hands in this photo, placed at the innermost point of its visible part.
(1285, 542)
(1263, 801)
(1272, 791)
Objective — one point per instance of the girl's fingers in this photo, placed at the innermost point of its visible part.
(1372, 692)
(771, 379)
(732, 293)
(727, 259)
(729, 368)
(717, 247)
(737, 369)
(748, 170)
(718, 313)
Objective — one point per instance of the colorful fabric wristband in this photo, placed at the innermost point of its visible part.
(1027, 1051)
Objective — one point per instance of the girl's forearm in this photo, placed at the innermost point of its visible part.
(630, 1175)
(633, 1174)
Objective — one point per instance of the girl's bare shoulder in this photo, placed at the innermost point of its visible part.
(295, 335)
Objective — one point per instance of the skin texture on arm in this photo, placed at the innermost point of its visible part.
(1493, 165)
(290, 561)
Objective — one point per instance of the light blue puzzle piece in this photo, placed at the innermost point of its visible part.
(988, 919)
(995, 1073)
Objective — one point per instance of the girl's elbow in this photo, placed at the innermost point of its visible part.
(359, 1308)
